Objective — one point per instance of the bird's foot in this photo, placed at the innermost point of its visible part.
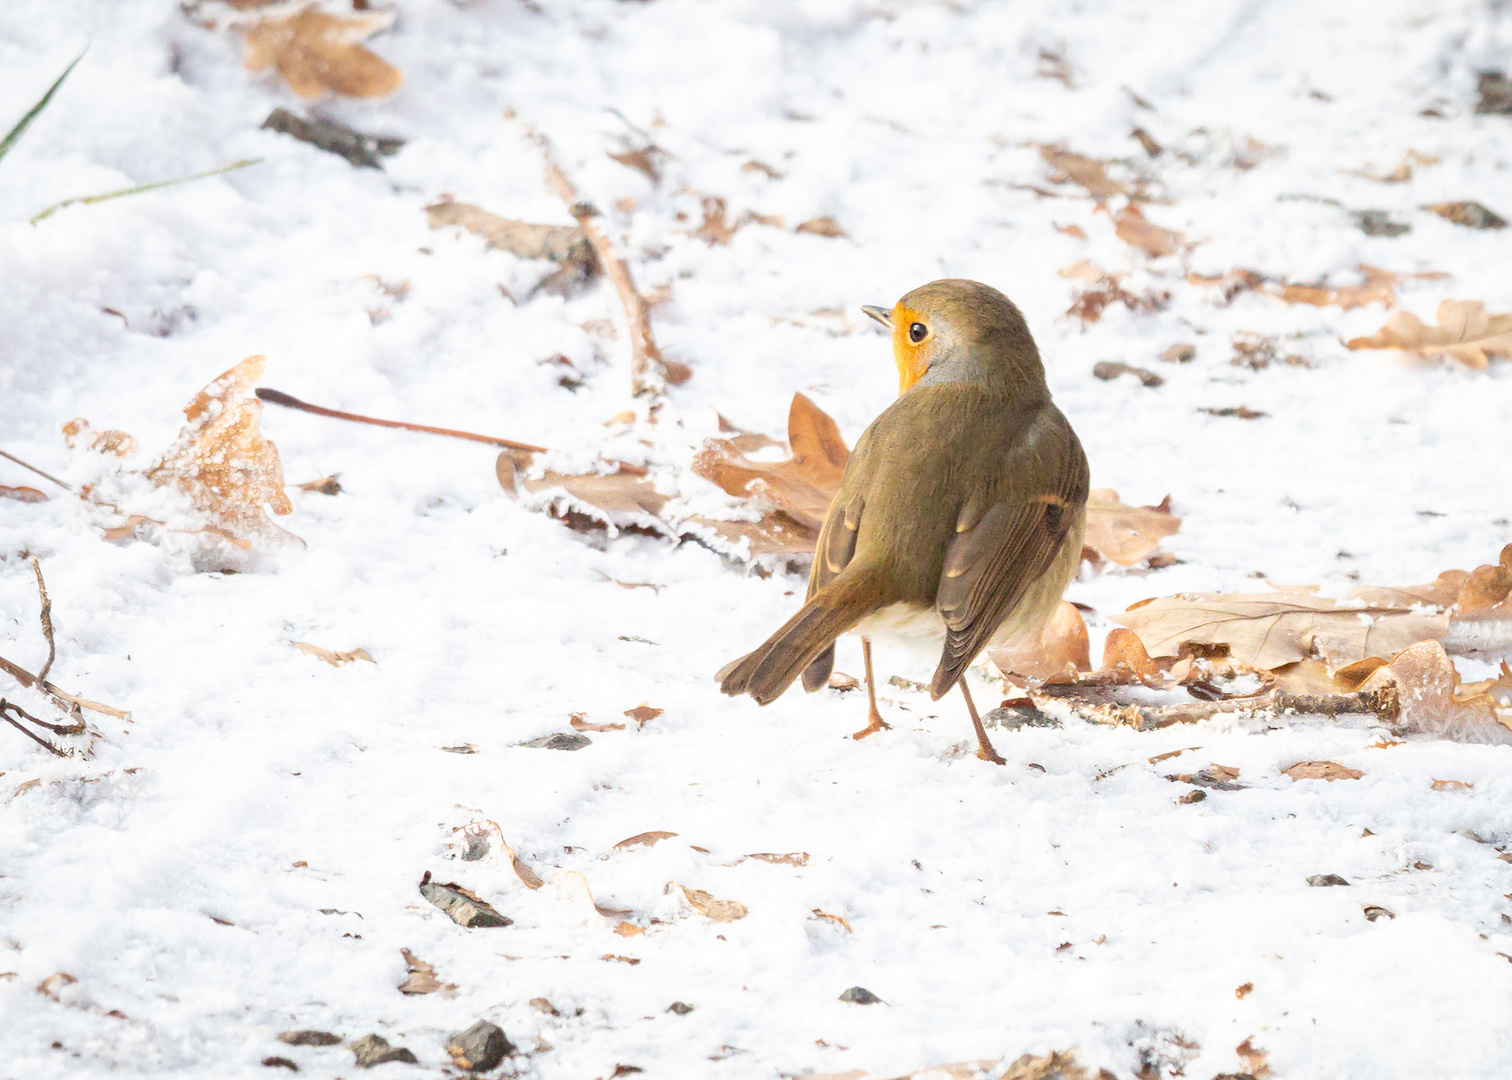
(987, 753)
(875, 725)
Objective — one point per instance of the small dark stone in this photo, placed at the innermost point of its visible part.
(359, 149)
(1375, 911)
(480, 1047)
(562, 740)
(1319, 881)
(1014, 717)
(1495, 93)
(464, 907)
(1378, 223)
(860, 995)
(280, 1063)
(373, 1050)
(309, 1037)
(681, 1008)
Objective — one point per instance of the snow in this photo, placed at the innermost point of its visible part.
(257, 786)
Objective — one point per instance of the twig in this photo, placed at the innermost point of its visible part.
(1380, 703)
(650, 372)
(139, 188)
(31, 682)
(39, 472)
(278, 397)
(5, 708)
(47, 626)
(75, 728)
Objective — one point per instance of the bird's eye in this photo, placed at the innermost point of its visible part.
(917, 332)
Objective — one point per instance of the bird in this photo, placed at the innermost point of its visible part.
(960, 516)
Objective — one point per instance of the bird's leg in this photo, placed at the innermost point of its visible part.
(874, 721)
(984, 748)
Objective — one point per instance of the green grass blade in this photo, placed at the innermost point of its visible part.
(21, 125)
(85, 199)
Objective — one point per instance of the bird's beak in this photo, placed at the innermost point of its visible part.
(881, 314)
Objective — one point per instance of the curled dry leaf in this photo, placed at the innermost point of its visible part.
(332, 656)
(643, 714)
(711, 907)
(791, 858)
(1061, 650)
(821, 226)
(1472, 215)
(1126, 534)
(1134, 229)
(1284, 627)
(1123, 648)
(566, 245)
(222, 462)
(1321, 770)
(645, 839)
(615, 502)
(1086, 172)
(573, 887)
(1433, 702)
(1464, 333)
(838, 920)
(315, 52)
(421, 978)
(22, 494)
(1376, 288)
(110, 441)
(579, 723)
(1452, 785)
(1252, 1058)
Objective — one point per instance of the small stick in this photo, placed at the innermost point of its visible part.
(649, 370)
(278, 397)
(1379, 703)
(39, 740)
(31, 682)
(47, 626)
(39, 472)
(74, 728)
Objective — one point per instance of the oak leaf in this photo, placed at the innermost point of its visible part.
(315, 52)
(1464, 333)
(1321, 770)
(1432, 701)
(711, 907)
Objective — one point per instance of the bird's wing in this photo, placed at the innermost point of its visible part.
(991, 562)
(837, 540)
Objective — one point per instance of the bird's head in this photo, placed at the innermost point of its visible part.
(959, 331)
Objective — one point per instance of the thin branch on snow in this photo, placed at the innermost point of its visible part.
(650, 371)
(278, 397)
(33, 468)
(47, 626)
(1381, 703)
(6, 708)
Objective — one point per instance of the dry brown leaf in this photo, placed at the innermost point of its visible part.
(573, 886)
(1126, 534)
(821, 226)
(1321, 770)
(1062, 649)
(715, 229)
(791, 858)
(711, 907)
(332, 656)
(1089, 173)
(643, 714)
(1486, 592)
(1136, 230)
(629, 929)
(1472, 215)
(566, 245)
(1284, 627)
(645, 839)
(838, 920)
(1053, 1066)
(774, 534)
(422, 977)
(803, 485)
(1464, 333)
(1452, 785)
(222, 462)
(1376, 288)
(1432, 702)
(580, 724)
(1252, 1058)
(645, 160)
(315, 52)
(109, 441)
(52, 985)
(326, 485)
(1123, 647)
(616, 502)
(22, 494)
(1399, 175)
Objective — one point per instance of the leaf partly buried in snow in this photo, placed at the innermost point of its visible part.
(592, 501)
(711, 907)
(1268, 630)
(224, 464)
(1432, 701)
(804, 484)
(421, 977)
(332, 656)
(1321, 770)
(643, 714)
(1464, 332)
(1089, 173)
(1126, 534)
(645, 839)
(315, 52)
(565, 245)
(1135, 229)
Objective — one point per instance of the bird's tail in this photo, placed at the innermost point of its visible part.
(803, 639)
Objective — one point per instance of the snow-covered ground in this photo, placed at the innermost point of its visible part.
(242, 857)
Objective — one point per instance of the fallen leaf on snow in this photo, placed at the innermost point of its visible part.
(645, 839)
(222, 462)
(22, 494)
(1464, 333)
(1472, 215)
(1088, 173)
(622, 501)
(315, 52)
(109, 441)
(422, 977)
(836, 919)
(711, 907)
(643, 714)
(51, 986)
(1134, 229)
(1321, 770)
(326, 485)
(1431, 702)
(580, 724)
(332, 656)
(565, 245)
(573, 886)
(791, 858)
(1061, 649)
(821, 226)
(1252, 1058)
(1126, 534)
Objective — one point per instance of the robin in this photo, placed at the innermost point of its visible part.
(959, 519)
